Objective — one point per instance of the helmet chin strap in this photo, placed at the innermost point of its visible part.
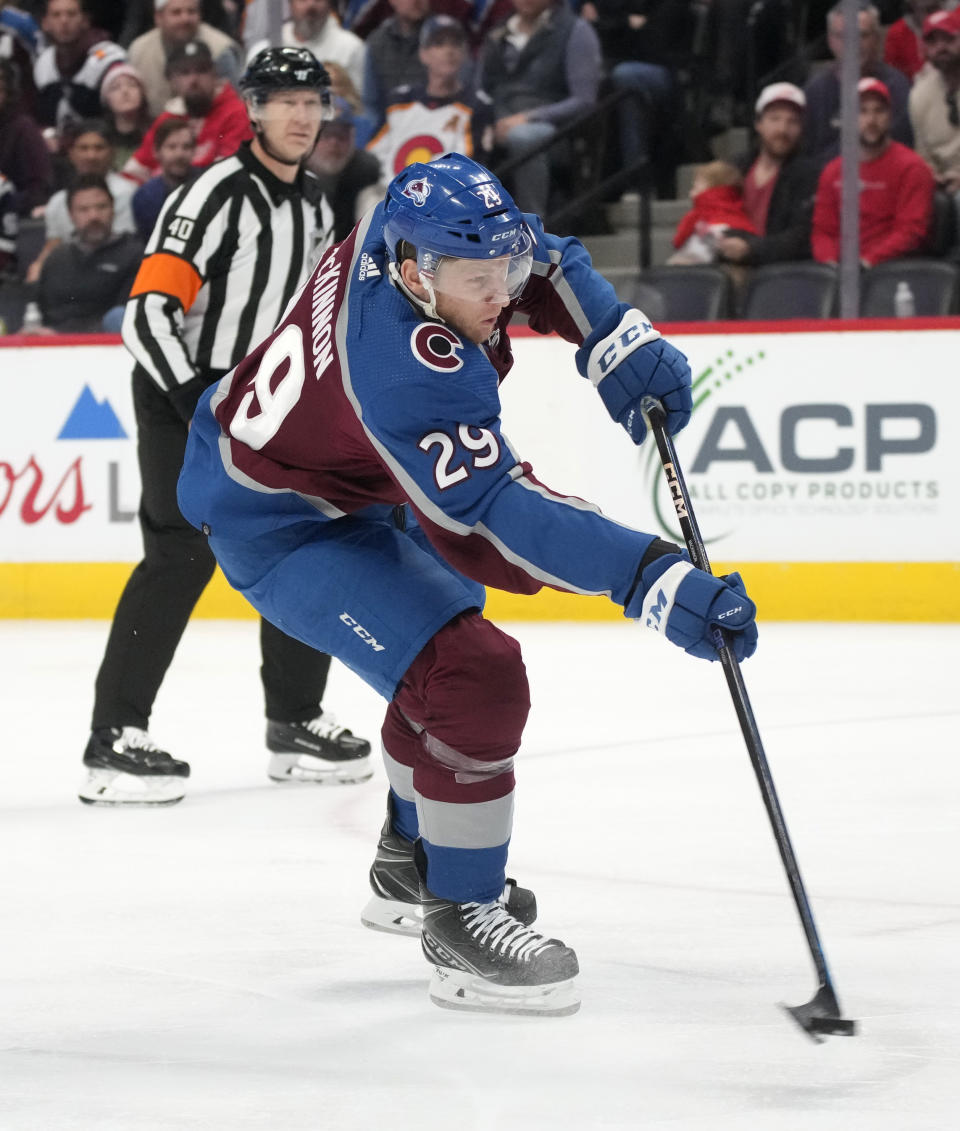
(428, 308)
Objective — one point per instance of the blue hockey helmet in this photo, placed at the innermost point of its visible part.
(454, 208)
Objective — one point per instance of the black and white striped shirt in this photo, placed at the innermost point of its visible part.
(228, 252)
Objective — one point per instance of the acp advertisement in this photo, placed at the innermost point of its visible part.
(802, 447)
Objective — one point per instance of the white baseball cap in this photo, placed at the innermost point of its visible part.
(780, 92)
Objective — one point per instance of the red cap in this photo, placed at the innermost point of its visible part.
(947, 23)
(874, 86)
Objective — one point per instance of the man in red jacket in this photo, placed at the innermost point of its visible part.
(896, 190)
(903, 46)
(211, 105)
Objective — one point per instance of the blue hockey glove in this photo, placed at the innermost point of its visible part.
(627, 360)
(685, 604)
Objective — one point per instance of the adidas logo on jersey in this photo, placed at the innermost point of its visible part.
(367, 267)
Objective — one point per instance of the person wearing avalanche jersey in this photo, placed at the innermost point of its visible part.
(354, 483)
(424, 121)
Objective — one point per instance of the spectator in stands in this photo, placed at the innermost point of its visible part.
(541, 68)
(717, 198)
(24, 158)
(68, 73)
(177, 24)
(214, 109)
(174, 146)
(224, 15)
(903, 46)
(89, 153)
(313, 24)
(124, 110)
(438, 116)
(393, 56)
(896, 190)
(822, 127)
(349, 177)
(636, 41)
(85, 281)
(935, 102)
(342, 86)
(779, 185)
(19, 43)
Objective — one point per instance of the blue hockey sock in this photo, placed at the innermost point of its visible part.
(404, 821)
(466, 875)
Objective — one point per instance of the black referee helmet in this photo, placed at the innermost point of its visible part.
(284, 68)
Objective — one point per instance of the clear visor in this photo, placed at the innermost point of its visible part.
(294, 105)
(498, 279)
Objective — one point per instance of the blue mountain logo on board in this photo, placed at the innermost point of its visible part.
(91, 419)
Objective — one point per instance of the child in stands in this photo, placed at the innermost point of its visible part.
(717, 198)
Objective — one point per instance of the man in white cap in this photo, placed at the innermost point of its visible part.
(779, 184)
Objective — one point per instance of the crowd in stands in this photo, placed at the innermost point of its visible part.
(106, 106)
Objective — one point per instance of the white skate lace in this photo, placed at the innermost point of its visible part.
(496, 928)
(326, 726)
(133, 738)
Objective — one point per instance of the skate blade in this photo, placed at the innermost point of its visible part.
(392, 916)
(456, 989)
(306, 770)
(113, 787)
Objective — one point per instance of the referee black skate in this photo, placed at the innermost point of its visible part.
(228, 252)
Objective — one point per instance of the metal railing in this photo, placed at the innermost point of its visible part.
(583, 140)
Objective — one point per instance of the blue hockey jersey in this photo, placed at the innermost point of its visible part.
(356, 400)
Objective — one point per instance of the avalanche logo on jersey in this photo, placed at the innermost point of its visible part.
(417, 191)
(436, 347)
(489, 195)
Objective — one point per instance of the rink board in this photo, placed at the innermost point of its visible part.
(821, 458)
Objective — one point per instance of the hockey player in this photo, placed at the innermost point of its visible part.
(228, 252)
(353, 481)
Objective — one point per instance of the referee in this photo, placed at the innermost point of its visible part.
(228, 252)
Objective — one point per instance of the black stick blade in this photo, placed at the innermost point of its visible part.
(820, 1017)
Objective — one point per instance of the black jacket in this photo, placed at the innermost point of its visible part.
(790, 216)
(77, 286)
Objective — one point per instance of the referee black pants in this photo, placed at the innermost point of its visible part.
(164, 588)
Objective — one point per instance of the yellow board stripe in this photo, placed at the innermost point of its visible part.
(828, 591)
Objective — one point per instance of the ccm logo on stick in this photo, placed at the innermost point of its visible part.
(366, 637)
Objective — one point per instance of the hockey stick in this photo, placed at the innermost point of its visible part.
(821, 1015)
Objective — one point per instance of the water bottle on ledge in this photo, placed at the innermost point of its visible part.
(32, 318)
(903, 302)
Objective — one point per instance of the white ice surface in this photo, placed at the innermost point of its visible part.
(203, 966)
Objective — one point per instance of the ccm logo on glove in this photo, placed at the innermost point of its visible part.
(682, 603)
(626, 360)
(634, 331)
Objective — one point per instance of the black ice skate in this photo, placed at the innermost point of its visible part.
(319, 750)
(395, 904)
(126, 767)
(486, 960)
